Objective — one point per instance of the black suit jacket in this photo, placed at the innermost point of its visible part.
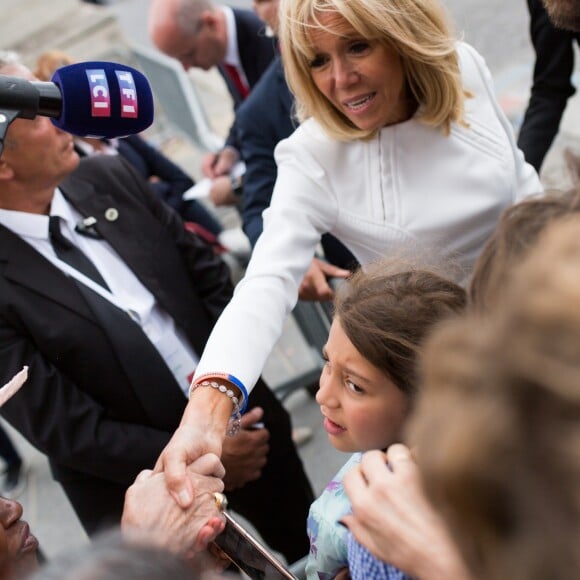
(256, 52)
(78, 405)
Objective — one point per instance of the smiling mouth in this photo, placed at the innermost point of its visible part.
(359, 103)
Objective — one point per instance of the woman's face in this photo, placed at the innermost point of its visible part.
(363, 79)
(17, 545)
(363, 409)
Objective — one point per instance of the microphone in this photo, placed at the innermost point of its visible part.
(88, 99)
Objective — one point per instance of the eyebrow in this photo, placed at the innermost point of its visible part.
(347, 370)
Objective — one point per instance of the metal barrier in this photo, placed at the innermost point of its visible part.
(177, 96)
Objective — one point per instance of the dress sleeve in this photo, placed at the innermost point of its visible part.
(302, 208)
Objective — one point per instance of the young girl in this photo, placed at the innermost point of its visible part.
(367, 387)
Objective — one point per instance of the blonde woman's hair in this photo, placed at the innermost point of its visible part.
(417, 29)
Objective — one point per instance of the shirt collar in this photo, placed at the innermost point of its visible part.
(32, 225)
(110, 147)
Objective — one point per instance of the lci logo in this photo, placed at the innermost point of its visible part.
(101, 97)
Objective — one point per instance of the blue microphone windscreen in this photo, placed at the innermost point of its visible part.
(103, 99)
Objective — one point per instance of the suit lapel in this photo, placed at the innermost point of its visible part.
(122, 227)
(32, 270)
(122, 223)
(114, 221)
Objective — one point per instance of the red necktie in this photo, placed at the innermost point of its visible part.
(235, 77)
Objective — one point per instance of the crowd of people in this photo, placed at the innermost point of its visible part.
(451, 365)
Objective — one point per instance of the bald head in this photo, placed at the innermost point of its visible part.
(564, 13)
(192, 31)
(171, 19)
(163, 21)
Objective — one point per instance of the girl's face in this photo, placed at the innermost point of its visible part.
(363, 409)
(361, 78)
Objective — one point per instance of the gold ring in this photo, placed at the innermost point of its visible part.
(221, 501)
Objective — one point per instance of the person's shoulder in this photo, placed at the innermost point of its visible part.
(470, 60)
(267, 88)
(247, 17)
(312, 149)
(100, 169)
(310, 136)
(99, 164)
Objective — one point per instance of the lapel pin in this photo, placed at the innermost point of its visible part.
(86, 227)
(111, 214)
(89, 222)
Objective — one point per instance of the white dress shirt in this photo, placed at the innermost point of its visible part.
(232, 56)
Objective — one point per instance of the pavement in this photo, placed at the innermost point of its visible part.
(45, 506)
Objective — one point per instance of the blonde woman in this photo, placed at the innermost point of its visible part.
(402, 148)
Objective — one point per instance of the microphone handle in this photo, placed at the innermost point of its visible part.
(17, 94)
(49, 99)
(29, 98)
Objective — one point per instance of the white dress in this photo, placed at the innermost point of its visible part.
(409, 191)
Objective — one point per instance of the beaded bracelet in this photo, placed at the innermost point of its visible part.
(243, 398)
(235, 421)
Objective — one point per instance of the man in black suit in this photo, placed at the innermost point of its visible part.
(110, 360)
(199, 34)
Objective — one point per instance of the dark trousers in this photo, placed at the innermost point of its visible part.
(551, 86)
(277, 504)
(7, 450)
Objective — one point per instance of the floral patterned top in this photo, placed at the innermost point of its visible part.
(328, 549)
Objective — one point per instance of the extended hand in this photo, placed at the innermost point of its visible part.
(245, 454)
(150, 511)
(314, 286)
(202, 430)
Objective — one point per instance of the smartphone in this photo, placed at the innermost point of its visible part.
(248, 554)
